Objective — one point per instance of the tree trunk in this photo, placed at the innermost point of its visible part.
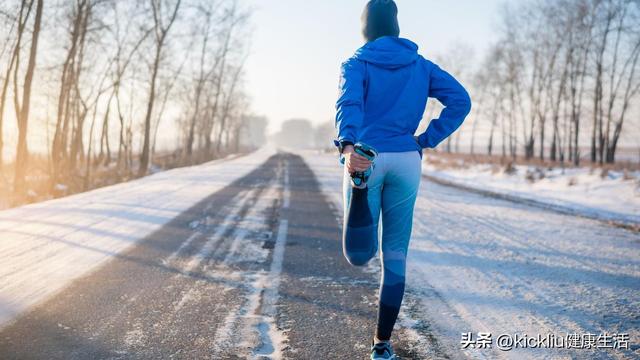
(542, 126)
(3, 99)
(105, 159)
(144, 159)
(22, 151)
(161, 34)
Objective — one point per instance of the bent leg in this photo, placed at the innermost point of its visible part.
(398, 200)
(360, 241)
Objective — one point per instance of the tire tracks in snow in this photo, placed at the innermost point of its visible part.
(445, 239)
(217, 257)
(539, 244)
(253, 320)
(477, 229)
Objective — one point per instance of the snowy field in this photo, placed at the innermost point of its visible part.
(45, 246)
(614, 196)
(478, 264)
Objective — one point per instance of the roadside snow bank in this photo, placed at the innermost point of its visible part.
(612, 197)
(45, 246)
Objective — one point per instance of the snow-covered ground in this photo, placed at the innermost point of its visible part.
(479, 264)
(614, 196)
(476, 264)
(45, 246)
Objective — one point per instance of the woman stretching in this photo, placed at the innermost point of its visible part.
(383, 94)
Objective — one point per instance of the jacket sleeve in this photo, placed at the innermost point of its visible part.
(350, 105)
(457, 102)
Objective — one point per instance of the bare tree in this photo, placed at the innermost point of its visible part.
(23, 113)
(69, 94)
(623, 81)
(458, 59)
(206, 69)
(101, 56)
(11, 45)
(578, 47)
(552, 56)
(161, 28)
(233, 19)
(127, 38)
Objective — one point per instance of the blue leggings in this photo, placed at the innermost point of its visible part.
(393, 187)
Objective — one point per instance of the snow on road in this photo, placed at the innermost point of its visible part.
(478, 264)
(45, 246)
(615, 196)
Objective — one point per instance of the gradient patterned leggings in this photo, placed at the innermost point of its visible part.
(393, 187)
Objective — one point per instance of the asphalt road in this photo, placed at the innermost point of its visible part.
(255, 271)
(233, 277)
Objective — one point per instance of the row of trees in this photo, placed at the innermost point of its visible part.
(563, 75)
(112, 80)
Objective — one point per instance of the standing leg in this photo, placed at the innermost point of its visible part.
(398, 199)
(358, 250)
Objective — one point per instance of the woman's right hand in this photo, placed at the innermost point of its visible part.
(353, 161)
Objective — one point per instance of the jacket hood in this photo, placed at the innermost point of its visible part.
(389, 52)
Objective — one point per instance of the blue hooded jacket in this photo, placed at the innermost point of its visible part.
(383, 95)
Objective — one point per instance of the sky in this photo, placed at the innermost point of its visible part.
(297, 47)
